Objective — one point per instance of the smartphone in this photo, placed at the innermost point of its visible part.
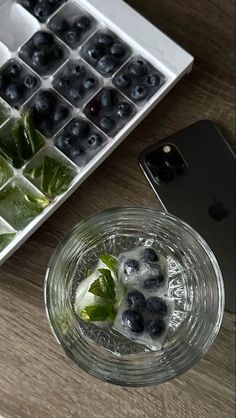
(193, 174)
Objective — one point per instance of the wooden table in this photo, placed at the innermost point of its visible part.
(36, 379)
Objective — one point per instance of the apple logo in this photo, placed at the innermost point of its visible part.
(217, 210)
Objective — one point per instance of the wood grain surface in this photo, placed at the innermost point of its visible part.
(36, 378)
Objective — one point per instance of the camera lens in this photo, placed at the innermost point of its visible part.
(165, 174)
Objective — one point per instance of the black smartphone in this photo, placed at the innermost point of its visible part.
(193, 174)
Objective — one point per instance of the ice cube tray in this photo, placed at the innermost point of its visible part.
(105, 67)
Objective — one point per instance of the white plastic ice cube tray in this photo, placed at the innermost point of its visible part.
(17, 26)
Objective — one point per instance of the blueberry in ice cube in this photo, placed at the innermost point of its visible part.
(107, 123)
(124, 110)
(94, 141)
(89, 83)
(80, 128)
(40, 58)
(108, 98)
(61, 113)
(42, 11)
(75, 70)
(154, 282)
(14, 93)
(71, 37)
(63, 82)
(83, 23)
(131, 266)
(133, 321)
(42, 38)
(59, 25)
(105, 39)
(122, 81)
(75, 95)
(93, 53)
(28, 4)
(139, 93)
(138, 67)
(63, 142)
(118, 50)
(153, 80)
(30, 81)
(136, 300)
(149, 255)
(156, 305)
(44, 102)
(156, 328)
(14, 69)
(107, 64)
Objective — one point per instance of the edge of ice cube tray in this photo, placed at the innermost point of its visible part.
(160, 50)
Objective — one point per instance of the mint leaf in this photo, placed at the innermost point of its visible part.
(110, 262)
(34, 139)
(104, 286)
(98, 313)
(5, 172)
(5, 239)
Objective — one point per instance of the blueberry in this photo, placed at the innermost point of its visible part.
(45, 126)
(44, 102)
(138, 67)
(89, 83)
(93, 53)
(80, 128)
(57, 53)
(118, 50)
(136, 300)
(94, 141)
(13, 92)
(105, 39)
(139, 93)
(131, 266)
(28, 4)
(63, 82)
(107, 123)
(71, 38)
(41, 39)
(149, 255)
(124, 110)
(61, 113)
(14, 68)
(108, 98)
(74, 94)
(93, 109)
(154, 282)
(153, 80)
(40, 58)
(75, 70)
(155, 305)
(122, 81)
(83, 23)
(107, 64)
(63, 142)
(42, 11)
(77, 153)
(133, 321)
(30, 82)
(59, 25)
(156, 328)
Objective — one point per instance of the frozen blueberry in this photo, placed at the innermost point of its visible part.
(107, 123)
(14, 92)
(40, 58)
(59, 25)
(80, 128)
(75, 94)
(157, 306)
(136, 300)
(124, 110)
(108, 98)
(149, 255)
(94, 141)
(64, 141)
(107, 64)
(122, 81)
(41, 39)
(61, 113)
(44, 102)
(27, 3)
(156, 328)
(118, 50)
(30, 81)
(154, 282)
(14, 69)
(45, 125)
(93, 53)
(93, 109)
(42, 11)
(75, 70)
(89, 83)
(104, 39)
(138, 67)
(63, 82)
(71, 38)
(83, 23)
(76, 153)
(139, 93)
(131, 266)
(153, 80)
(133, 321)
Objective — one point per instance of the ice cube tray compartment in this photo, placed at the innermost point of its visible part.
(89, 109)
